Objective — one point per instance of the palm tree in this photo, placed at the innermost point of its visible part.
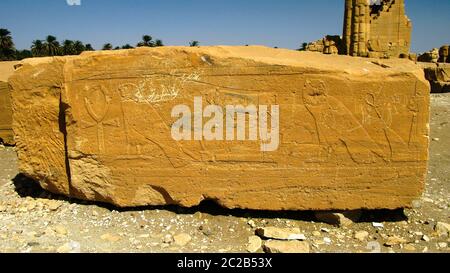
(37, 48)
(147, 40)
(88, 47)
(79, 47)
(159, 42)
(68, 47)
(51, 46)
(7, 50)
(194, 43)
(107, 46)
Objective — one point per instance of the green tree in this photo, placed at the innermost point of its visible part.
(127, 46)
(107, 46)
(68, 47)
(23, 54)
(37, 48)
(303, 48)
(51, 46)
(194, 43)
(147, 40)
(79, 47)
(159, 42)
(88, 47)
(7, 50)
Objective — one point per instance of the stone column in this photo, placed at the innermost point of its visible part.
(347, 33)
(363, 22)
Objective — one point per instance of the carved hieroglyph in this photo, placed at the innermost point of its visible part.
(348, 139)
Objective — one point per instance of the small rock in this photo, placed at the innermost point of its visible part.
(436, 139)
(31, 206)
(327, 241)
(280, 233)
(181, 239)
(53, 205)
(72, 247)
(110, 237)
(60, 230)
(326, 230)
(409, 247)
(361, 235)
(394, 240)
(425, 238)
(377, 225)
(251, 223)
(168, 239)
(254, 244)
(316, 233)
(2, 208)
(442, 245)
(33, 244)
(442, 229)
(94, 213)
(272, 246)
(338, 219)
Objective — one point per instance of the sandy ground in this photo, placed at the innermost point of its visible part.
(32, 220)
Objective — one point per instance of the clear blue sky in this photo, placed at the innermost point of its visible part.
(282, 23)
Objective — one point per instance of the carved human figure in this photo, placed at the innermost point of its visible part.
(336, 125)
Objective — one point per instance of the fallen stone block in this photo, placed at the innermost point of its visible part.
(246, 127)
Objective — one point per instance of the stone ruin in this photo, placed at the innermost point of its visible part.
(376, 29)
(379, 30)
(435, 55)
(98, 127)
(436, 64)
(328, 45)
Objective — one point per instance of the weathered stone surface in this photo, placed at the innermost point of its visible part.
(98, 127)
(280, 233)
(254, 244)
(6, 133)
(272, 246)
(38, 122)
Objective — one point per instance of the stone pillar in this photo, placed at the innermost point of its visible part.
(347, 33)
(363, 21)
(355, 29)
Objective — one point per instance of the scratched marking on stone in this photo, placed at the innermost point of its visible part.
(147, 91)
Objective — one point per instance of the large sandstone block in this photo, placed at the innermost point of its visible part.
(352, 133)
